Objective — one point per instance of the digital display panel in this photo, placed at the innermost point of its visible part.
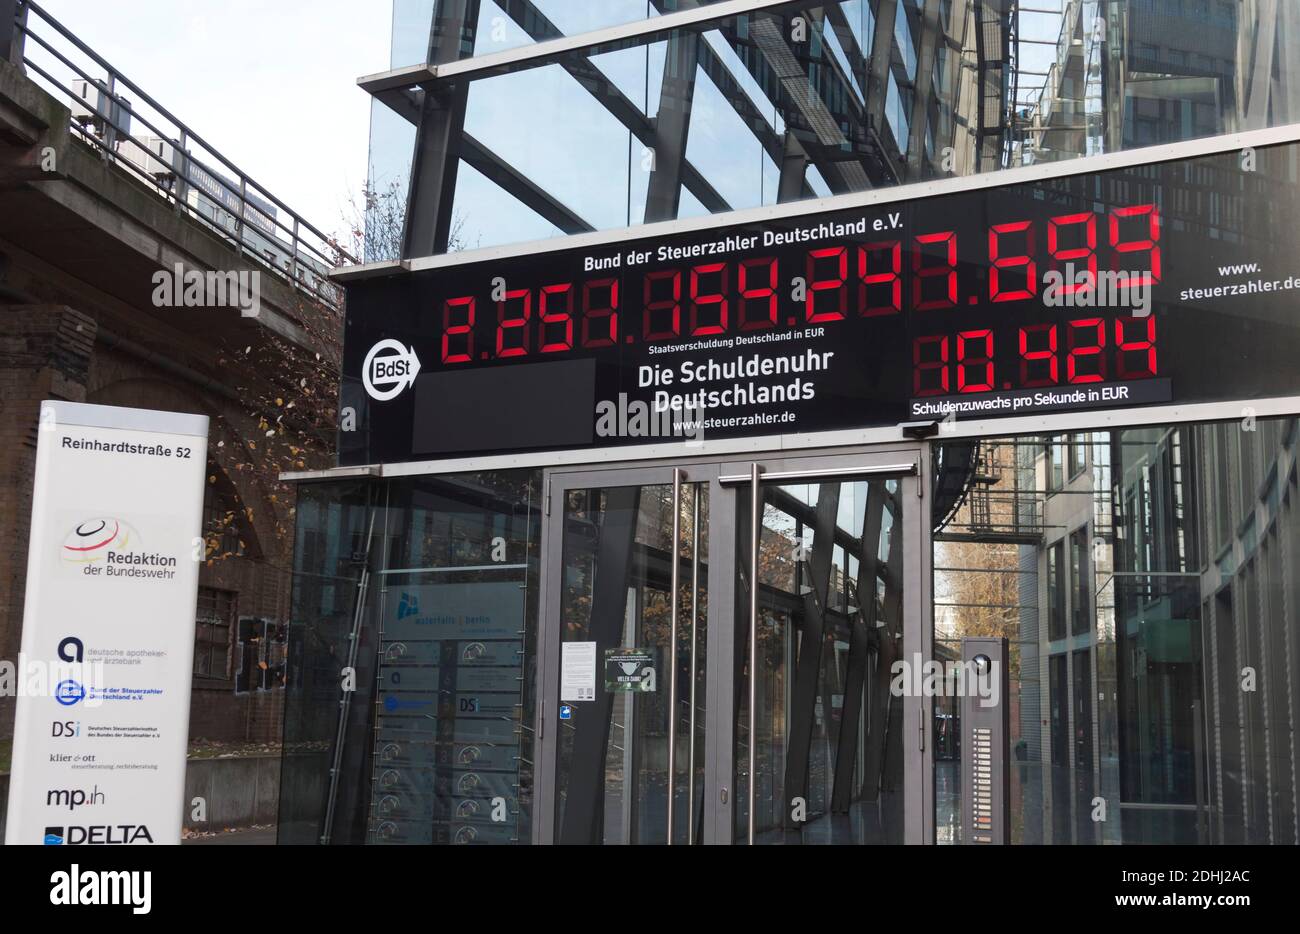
(1167, 282)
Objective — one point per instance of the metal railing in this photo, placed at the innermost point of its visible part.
(168, 156)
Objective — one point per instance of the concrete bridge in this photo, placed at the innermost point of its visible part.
(102, 190)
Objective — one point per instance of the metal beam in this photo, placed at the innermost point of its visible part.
(766, 52)
(672, 126)
(597, 84)
(720, 74)
(861, 629)
(523, 189)
(882, 54)
(794, 169)
(628, 35)
(923, 92)
(438, 137)
(808, 666)
(884, 711)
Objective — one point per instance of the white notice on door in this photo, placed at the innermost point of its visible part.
(578, 671)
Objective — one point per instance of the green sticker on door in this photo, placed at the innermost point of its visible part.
(630, 670)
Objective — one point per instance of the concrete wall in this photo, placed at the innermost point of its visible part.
(239, 792)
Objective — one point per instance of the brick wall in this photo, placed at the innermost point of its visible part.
(50, 352)
(45, 353)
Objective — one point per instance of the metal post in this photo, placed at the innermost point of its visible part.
(756, 531)
(239, 222)
(1198, 753)
(294, 270)
(181, 168)
(695, 619)
(345, 702)
(110, 118)
(13, 20)
(674, 603)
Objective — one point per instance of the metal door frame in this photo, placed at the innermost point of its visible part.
(909, 461)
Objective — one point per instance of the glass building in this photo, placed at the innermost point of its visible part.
(512, 627)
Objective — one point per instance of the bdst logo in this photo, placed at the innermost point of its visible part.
(388, 369)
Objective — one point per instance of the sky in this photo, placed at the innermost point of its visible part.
(271, 84)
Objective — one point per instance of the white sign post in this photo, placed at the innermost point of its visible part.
(108, 627)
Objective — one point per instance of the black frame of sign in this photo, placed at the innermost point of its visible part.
(1137, 279)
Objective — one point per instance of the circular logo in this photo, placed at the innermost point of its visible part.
(69, 693)
(389, 368)
(93, 539)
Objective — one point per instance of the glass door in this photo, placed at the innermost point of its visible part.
(651, 725)
(628, 598)
(822, 715)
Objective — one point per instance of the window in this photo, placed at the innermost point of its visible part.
(1078, 454)
(1059, 711)
(1054, 454)
(261, 653)
(224, 521)
(1055, 592)
(1080, 589)
(212, 624)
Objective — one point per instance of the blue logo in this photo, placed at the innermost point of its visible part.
(392, 703)
(409, 605)
(566, 712)
(53, 836)
(69, 693)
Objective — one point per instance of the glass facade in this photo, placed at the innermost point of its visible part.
(413, 636)
(827, 729)
(1165, 712)
(1143, 575)
(779, 105)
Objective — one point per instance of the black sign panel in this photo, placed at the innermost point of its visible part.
(1175, 281)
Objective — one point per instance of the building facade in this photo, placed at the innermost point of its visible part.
(719, 368)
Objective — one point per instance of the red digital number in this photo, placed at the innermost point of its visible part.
(1087, 250)
(657, 306)
(832, 288)
(922, 273)
(461, 329)
(1150, 243)
(606, 311)
(1029, 356)
(983, 360)
(552, 341)
(516, 321)
(758, 300)
(930, 376)
(713, 303)
(1022, 262)
(1082, 356)
(885, 284)
(1146, 345)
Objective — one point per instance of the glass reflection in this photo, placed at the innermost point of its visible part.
(613, 778)
(1162, 713)
(784, 105)
(827, 729)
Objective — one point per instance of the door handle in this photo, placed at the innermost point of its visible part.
(674, 603)
(756, 531)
